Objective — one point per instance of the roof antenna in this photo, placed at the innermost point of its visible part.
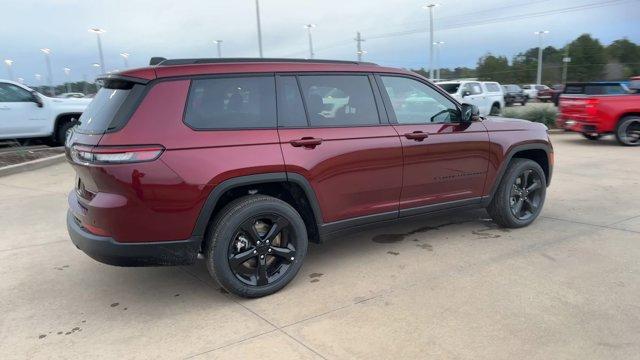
(156, 60)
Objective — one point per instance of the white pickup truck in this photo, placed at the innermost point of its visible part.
(486, 95)
(25, 113)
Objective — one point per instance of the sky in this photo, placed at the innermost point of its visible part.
(395, 31)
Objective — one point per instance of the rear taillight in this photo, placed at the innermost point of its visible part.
(591, 106)
(115, 154)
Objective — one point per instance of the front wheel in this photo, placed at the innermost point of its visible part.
(628, 131)
(256, 245)
(520, 195)
(495, 110)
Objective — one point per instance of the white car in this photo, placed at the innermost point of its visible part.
(531, 90)
(486, 95)
(25, 113)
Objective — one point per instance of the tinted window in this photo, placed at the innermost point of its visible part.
(474, 88)
(450, 88)
(231, 103)
(416, 103)
(492, 87)
(339, 100)
(290, 108)
(12, 93)
(97, 117)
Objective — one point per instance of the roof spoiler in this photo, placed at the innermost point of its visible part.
(156, 60)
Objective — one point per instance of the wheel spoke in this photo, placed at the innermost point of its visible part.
(276, 228)
(525, 179)
(283, 252)
(249, 228)
(238, 259)
(535, 186)
(532, 207)
(263, 277)
(517, 207)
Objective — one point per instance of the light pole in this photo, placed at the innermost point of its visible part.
(9, 64)
(359, 50)
(259, 29)
(309, 27)
(98, 32)
(565, 63)
(67, 71)
(540, 35)
(438, 45)
(430, 8)
(47, 60)
(125, 57)
(98, 69)
(219, 47)
(38, 78)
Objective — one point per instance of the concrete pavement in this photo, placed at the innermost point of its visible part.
(453, 286)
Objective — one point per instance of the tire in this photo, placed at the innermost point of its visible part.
(501, 207)
(591, 136)
(63, 131)
(227, 241)
(524, 102)
(495, 110)
(628, 131)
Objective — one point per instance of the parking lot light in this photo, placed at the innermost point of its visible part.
(99, 32)
(67, 71)
(540, 34)
(125, 57)
(219, 47)
(9, 64)
(309, 27)
(438, 45)
(430, 8)
(47, 53)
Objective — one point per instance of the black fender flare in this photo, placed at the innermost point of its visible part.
(507, 159)
(214, 196)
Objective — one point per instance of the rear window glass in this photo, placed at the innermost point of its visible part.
(450, 88)
(232, 103)
(595, 89)
(97, 117)
(339, 100)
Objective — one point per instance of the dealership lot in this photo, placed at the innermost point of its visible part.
(452, 286)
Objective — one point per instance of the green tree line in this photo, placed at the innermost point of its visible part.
(590, 61)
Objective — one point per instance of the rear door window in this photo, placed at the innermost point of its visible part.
(232, 103)
(492, 87)
(339, 100)
(97, 118)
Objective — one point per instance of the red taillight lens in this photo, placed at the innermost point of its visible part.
(115, 154)
(591, 106)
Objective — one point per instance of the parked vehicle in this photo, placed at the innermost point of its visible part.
(597, 109)
(247, 160)
(76, 95)
(487, 96)
(513, 94)
(531, 91)
(25, 113)
(546, 94)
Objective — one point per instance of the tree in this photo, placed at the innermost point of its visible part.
(626, 53)
(494, 68)
(588, 59)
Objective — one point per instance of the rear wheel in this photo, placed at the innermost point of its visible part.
(256, 246)
(628, 131)
(591, 136)
(520, 195)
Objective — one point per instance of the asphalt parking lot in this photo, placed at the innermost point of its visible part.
(453, 286)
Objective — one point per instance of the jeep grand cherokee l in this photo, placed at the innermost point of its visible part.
(245, 161)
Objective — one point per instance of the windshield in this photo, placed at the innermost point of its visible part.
(98, 115)
(451, 88)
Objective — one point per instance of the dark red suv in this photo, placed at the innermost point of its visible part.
(247, 160)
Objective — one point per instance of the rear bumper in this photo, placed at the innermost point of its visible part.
(578, 124)
(107, 250)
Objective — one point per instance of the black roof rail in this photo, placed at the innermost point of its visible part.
(247, 60)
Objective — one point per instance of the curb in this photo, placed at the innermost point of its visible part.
(32, 165)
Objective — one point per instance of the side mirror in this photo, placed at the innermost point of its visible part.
(36, 99)
(466, 93)
(468, 112)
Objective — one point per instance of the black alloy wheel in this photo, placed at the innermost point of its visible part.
(628, 131)
(262, 250)
(525, 196)
(255, 245)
